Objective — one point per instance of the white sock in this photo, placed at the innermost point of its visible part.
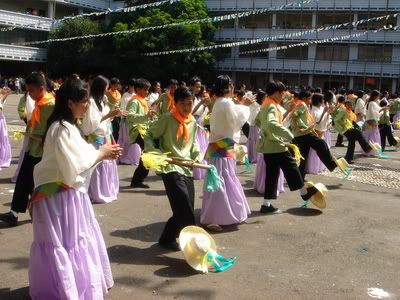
(303, 190)
(14, 213)
(267, 202)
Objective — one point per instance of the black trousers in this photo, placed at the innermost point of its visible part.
(24, 185)
(180, 192)
(354, 135)
(246, 129)
(281, 161)
(141, 172)
(339, 139)
(305, 142)
(115, 128)
(391, 116)
(386, 132)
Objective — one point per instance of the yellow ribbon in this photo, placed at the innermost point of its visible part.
(297, 154)
(18, 134)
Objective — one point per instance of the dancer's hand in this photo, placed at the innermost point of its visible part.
(109, 152)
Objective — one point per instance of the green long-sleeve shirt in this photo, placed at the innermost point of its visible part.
(135, 115)
(273, 133)
(341, 119)
(35, 144)
(21, 108)
(300, 120)
(165, 129)
(385, 118)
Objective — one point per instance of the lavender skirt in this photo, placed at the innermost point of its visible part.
(104, 184)
(68, 256)
(5, 147)
(314, 164)
(372, 134)
(259, 181)
(131, 152)
(254, 134)
(202, 140)
(20, 158)
(228, 205)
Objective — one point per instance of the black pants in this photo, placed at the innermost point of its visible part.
(391, 116)
(339, 139)
(24, 185)
(354, 135)
(246, 129)
(180, 192)
(115, 128)
(281, 161)
(141, 172)
(386, 132)
(305, 142)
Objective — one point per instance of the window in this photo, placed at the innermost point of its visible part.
(375, 53)
(332, 52)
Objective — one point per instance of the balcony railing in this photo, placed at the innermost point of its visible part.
(345, 5)
(11, 18)
(92, 4)
(350, 68)
(19, 53)
(231, 34)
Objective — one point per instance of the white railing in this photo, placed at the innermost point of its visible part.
(231, 34)
(353, 68)
(20, 53)
(11, 18)
(92, 4)
(358, 5)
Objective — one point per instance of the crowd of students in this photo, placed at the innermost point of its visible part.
(77, 135)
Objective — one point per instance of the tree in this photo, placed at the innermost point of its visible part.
(123, 55)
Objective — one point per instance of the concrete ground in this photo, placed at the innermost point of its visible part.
(350, 250)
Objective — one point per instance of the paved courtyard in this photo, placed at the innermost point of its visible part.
(350, 250)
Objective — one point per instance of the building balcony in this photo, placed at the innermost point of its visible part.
(345, 5)
(91, 4)
(20, 53)
(347, 68)
(11, 18)
(232, 34)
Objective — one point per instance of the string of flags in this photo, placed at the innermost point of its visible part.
(171, 25)
(321, 41)
(273, 38)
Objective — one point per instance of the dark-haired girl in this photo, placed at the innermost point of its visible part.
(131, 153)
(322, 118)
(228, 205)
(5, 147)
(68, 257)
(96, 125)
(371, 129)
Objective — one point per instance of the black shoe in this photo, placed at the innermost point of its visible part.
(349, 161)
(310, 192)
(340, 145)
(9, 218)
(173, 246)
(269, 209)
(141, 185)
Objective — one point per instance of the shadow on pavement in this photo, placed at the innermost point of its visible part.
(146, 233)
(18, 294)
(304, 212)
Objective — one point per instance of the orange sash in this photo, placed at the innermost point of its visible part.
(36, 113)
(267, 101)
(183, 130)
(143, 102)
(352, 115)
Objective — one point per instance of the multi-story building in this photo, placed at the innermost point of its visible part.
(364, 62)
(31, 20)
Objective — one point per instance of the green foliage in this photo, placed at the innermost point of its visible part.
(122, 55)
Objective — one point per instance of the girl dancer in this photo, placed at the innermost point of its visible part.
(96, 125)
(228, 205)
(5, 148)
(371, 129)
(68, 257)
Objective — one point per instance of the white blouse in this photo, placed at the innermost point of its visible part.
(153, 97)
(126, 97)
(67, 158)
(373, 111)
(254, 110)
(226, 120)
(317, 112)
(360, 107)
(92, 124)
(30, 105)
